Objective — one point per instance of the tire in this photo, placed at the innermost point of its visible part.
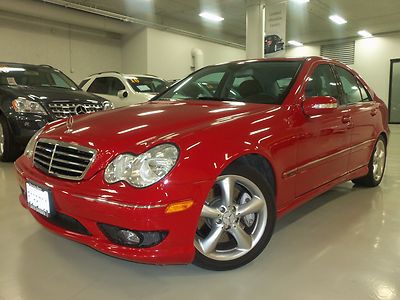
(236, 223)
(376, 166)
(8, 149)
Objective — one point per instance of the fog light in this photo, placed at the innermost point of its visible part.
(132, 238)
(129, 237)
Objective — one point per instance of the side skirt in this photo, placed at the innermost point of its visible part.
(320, 190)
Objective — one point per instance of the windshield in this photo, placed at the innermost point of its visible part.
(35, 77)
(265, 82)
(147, 84)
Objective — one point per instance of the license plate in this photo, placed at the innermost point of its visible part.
(39, 199)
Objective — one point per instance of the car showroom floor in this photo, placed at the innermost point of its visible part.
(344, 244)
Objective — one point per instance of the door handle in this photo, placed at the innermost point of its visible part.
(374, 111)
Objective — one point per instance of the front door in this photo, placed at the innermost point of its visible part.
(323, 147)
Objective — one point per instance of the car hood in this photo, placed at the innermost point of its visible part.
(136, 128)
(48, 94)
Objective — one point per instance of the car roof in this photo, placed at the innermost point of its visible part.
(303, 59)
(123, 75)
(23, 65)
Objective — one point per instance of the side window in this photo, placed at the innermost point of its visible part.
(322, 83)
(351, 91)
(83, 83)
(116, 86)
(364, 93)
(99, 86)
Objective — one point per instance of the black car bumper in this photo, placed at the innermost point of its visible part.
(24, 126)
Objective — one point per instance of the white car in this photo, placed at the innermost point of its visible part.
(123, 89)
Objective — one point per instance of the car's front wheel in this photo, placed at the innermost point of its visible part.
(237, 220)
(376, 166)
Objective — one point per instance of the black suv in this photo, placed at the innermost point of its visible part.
(33, 95)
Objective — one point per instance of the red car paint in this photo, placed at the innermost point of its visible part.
(308, 156)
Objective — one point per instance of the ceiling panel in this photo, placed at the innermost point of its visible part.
(307, 23)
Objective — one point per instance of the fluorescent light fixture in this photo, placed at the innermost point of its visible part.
(301, 1)
(295, 43)
(338, 19)
(364, 34)
(211, 17)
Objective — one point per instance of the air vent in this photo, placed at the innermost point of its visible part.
(343, 52)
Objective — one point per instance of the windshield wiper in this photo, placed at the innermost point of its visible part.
(216, 98)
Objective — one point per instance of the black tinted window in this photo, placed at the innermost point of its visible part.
(322, 83)
(256, 82)
(350, 87)
(83, 83)
(364, 93)
(106, 86)
(35, 77)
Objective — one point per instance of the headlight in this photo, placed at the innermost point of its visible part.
(30, 148)
(107, 105)
(145, 169)
(23, 105)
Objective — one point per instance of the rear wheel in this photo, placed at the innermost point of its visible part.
(8, 149)
(236, 222)
(376, 166)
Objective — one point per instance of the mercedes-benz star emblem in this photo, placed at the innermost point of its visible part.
(80, 110)
(69, 123)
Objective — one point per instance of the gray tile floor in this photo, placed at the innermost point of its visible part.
(344, 244)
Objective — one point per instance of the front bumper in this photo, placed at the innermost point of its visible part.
(24, 126)
(92, 202)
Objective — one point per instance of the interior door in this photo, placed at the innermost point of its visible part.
(323, 148)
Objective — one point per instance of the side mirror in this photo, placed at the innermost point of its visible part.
(319, 105)
(122, 94)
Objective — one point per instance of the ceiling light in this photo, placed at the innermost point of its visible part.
(211, 17)
(301, 1)
(295, 43)
(338, 19)
(364, 34)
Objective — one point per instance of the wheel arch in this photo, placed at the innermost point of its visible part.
(260, 163)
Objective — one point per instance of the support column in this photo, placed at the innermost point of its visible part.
(255, 26)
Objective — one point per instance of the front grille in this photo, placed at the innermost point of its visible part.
(63, 160)
(65, 109)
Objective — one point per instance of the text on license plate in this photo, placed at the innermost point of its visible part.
(38, 199)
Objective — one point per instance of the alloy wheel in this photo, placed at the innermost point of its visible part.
(233, 219)
(378, 161)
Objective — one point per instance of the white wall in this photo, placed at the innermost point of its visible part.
(77, 52)
(134, 52)
(303, 51)
(169, 54)
(372, 60)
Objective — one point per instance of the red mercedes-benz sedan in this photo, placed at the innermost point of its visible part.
(201, 173)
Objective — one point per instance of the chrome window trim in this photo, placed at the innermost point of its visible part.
(65, 145)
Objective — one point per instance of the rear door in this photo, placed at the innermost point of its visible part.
(323, 147)
(364, 118)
